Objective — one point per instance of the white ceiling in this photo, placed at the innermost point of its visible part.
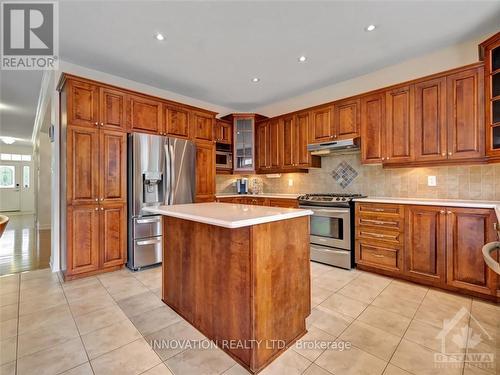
(213, 49)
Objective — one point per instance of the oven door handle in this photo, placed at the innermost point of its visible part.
(326, 210)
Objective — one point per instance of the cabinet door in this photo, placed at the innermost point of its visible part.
(223, 132)
(465, 114)
(288, 141)
(302, 158)
(113, 224)
(176, 122)
(322, 125)
(425, 243)
(399, 125)
(274, 149)
(82, 104)
(113, 166)
(203, 127)
(262, 145)
(82, 239)
(346, 119)
(145, 115)
(430, 139)
(468, 230)
(112, 109)
(205, 171)
(82, 169)
(372, 128)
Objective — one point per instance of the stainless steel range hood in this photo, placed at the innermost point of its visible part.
(327, 148)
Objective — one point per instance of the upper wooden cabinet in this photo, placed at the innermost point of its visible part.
(262, 144)
(302, 157)
(399, 125)
(346, 118)
(175, 122)
(82, 103)
(223, 132)
(268, 145)
(288, 140)
(322, 129)
(430, 134)
(372, 128)
(145, 114)
(203, 127)
(112, 109)
(465, 114)
(490, 52)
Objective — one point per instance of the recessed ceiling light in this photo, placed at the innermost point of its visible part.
(8, 140)
(302, 58)
(159, 36)
(370, 27)
(255, 80)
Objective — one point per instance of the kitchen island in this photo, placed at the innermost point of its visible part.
(240, 274)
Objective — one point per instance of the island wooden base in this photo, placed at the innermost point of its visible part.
(247, 289)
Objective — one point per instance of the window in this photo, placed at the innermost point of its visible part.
(15, 157)
(26, 157)
(7, 176)
(26, 176)
(5, 156)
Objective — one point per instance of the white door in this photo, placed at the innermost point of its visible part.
(10, 191)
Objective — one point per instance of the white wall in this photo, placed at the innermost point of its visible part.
(445, 59)
(44, 155)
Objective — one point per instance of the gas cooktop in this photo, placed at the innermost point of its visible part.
(330, 199)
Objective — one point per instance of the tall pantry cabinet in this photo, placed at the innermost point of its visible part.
(94, 178)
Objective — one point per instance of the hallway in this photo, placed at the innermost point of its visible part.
(22, 247)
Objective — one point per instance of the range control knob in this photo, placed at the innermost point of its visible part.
(343, 199)
(337, 199)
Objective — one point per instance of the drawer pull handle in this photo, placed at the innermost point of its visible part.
(375, 234)
(148, 242)
(146, 221)
(378, 209)
(378, 256)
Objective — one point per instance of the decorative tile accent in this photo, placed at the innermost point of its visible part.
(344, 174)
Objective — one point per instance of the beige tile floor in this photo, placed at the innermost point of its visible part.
(105, 324)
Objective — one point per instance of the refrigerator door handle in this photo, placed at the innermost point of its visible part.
(172, 169)
(168, 173)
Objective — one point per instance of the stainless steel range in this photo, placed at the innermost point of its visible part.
(332, 227)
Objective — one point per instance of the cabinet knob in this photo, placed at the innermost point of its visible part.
(102, 208)
(448, 212)
(102, 123)
(96, 123)
(97, 199)
(441, 212)
(450, 153)
(383, 158)
(387, 158)
(96, 208)
(443, 154)
(102, 199)
(334, 136)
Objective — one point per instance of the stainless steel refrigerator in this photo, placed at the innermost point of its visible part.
(161, 171)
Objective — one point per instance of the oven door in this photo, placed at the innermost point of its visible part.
(330, 226)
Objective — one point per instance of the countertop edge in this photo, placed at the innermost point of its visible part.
(277, 196)
(232, 224)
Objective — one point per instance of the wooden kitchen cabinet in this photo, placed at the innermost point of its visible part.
(113, 225)
(113, 167)
(82, 240)
(82, 103)
(425, 251)
(82, 165)
(145, 114)
(468, 229)
(346, 119)
(223, 132)
(322, 129)
(175, 122)
(205, 172)
(262, 144)
(465, 116)
(430, 134)
(203, 127)
(302, 157)
(399, 125)
(372, 128)
(112, 109)
(288, 142)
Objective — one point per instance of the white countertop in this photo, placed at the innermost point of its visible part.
(436, 202)
(263, 195)
(228, 215)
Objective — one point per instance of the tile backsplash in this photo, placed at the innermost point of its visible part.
(453, 182)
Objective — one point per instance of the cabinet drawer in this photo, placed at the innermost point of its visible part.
(379, 208)
(378, 255)
(147, 226)
(380, 221)
(375, 234)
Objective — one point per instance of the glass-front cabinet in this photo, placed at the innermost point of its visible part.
(490, 52)
(244, 145)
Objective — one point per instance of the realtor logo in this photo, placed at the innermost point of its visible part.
(30, 35)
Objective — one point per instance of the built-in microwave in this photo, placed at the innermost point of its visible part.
(223, 159)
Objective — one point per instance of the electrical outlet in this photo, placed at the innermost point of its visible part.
(431, 181)
(290, 182)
